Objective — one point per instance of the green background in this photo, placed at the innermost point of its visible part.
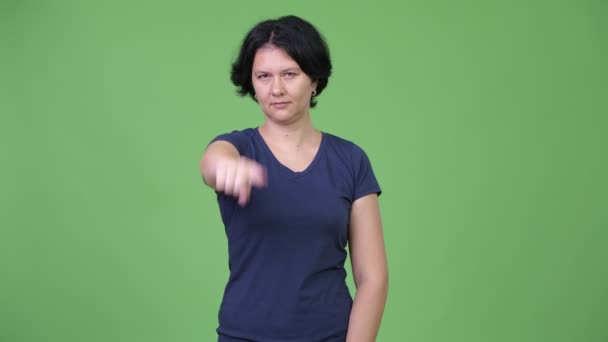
(485, 122)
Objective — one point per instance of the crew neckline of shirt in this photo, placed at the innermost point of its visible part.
(286, 169)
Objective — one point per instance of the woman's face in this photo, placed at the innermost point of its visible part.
(282, 89)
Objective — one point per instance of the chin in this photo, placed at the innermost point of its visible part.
(281, 117)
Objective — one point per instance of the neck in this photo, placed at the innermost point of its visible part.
(293, 135)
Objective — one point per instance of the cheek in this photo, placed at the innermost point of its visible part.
(260, 88)
(304, 92)
(256, 88)
(259, 91)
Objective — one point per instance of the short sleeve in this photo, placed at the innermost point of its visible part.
(239, 139)
(365, 180)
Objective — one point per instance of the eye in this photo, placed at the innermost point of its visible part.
(263, 76)
(290, 74)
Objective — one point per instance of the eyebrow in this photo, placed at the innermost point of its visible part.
(282, 71)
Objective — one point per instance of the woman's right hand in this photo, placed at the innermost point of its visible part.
(236, 176)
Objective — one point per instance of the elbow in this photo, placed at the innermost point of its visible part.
(382, 283)
(206, 171)
(377, 282)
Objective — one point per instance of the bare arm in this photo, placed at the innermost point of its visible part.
(223, 169)
(215, 153)
(370, 270)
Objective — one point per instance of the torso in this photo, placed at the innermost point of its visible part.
(287, 247)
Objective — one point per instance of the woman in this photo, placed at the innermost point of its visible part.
(291, 197)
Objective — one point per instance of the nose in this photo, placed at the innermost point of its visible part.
(277, 87)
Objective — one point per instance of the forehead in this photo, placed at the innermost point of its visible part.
(270, 57)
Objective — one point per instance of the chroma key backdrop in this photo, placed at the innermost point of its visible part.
(485, 122)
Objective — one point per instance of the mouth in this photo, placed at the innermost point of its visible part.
(283, 103)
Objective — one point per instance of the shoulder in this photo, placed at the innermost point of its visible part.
(241, 139)
(344, 146)
(242, 133)
(355, 163)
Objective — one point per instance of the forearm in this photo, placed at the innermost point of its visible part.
(366, 313)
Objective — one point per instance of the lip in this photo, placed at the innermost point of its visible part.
(280, 104)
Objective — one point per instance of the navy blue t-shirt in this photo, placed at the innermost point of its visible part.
(287, 245)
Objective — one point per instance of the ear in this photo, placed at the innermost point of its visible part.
(314, 84)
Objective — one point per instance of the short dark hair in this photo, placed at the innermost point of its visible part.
(300, 40)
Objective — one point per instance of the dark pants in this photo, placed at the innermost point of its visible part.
(223, 338)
